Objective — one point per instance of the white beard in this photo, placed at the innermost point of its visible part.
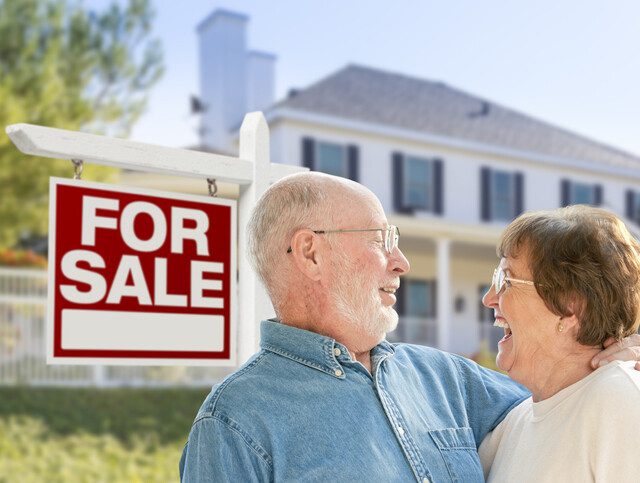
(357, 298)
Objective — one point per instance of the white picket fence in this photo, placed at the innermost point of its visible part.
(23, 301)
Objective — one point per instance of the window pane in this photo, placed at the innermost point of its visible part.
(502, 195)
(332, 159)
(418, 183)
(418, 300)
(582, 194)
(636, 207)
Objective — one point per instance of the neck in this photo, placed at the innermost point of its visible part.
(553, 375)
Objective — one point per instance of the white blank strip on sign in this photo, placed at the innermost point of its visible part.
(113, 330)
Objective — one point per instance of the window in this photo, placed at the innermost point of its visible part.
(573, 193)
(331, 158)
(502, 194)
(417, 184)
(417, 307)
(416, 298)
(633, 206)
(420, 298)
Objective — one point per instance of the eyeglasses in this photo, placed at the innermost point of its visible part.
(390, 235)
(500, 279)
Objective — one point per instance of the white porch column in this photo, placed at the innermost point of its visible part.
(443, 302)
(253, 303)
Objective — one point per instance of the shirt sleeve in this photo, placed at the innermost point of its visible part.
(489, 396)
(219, 450)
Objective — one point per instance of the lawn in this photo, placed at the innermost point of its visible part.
(94, 435)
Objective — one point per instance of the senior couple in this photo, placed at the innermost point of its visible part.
(327, 397)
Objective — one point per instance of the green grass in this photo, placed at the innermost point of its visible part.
(94, 435)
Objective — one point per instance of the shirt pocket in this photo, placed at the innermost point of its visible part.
(458, 449)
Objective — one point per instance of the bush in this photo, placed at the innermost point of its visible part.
(29, 452)
(87, 435)
(162, 414)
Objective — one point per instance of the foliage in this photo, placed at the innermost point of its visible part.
(104, 435)
(21, 258)
(162, 415)
(66, 67)
(30, 452)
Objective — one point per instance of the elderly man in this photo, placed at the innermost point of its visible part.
(327, 397)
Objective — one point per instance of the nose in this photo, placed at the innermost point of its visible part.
(398, 263)
(490, 299)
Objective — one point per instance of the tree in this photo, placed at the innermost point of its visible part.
(64, 66)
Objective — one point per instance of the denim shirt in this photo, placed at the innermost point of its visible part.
(302, 410)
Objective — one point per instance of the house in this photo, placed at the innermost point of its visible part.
(451, 169)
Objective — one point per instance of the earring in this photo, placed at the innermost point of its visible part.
(560, 326)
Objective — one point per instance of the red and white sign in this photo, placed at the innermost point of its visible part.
(139, 277)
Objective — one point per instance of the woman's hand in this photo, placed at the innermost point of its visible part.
(628, 349)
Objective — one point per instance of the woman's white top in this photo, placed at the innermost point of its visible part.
(589, 431)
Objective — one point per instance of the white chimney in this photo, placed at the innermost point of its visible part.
(223, 76)
(233, 81)
(260, 80)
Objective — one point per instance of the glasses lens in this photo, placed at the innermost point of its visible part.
(391, 238)
(498, 280)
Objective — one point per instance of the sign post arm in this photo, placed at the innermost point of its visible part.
(253, 303)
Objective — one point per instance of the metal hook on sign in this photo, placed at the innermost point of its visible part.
(213, 187)
(77, 168)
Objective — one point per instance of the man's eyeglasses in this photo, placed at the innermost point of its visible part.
(390, 235)
(500, 279)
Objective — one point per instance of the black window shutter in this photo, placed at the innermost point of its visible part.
(308, 153)
(565, 187)
(438, 187)
(400, 305)
(485, 191)
(519, 193)
(629, 206)
(398, 184)
(597, 194)
(353, 160)
(433, 286)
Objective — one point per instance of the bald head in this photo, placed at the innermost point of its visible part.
(305, 200)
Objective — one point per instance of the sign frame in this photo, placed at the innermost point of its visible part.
(232, 270)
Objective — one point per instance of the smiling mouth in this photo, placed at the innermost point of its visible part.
(500, 322)
(391, 290)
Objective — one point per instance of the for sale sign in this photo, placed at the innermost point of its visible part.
(140, 277)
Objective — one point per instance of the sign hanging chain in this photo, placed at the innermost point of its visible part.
(213, 187)
(77, 168)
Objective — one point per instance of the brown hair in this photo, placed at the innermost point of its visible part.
(585, 257)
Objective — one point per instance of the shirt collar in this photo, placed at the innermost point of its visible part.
(312, 349)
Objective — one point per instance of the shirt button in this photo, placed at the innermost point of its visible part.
(338, 372)
(400, 431)
(336, 352)
(425, 480)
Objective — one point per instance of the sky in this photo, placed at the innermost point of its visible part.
(573, 63)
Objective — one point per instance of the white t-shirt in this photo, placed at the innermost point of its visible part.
(589, 431)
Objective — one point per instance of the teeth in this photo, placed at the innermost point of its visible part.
(388, 290)
(500, 323)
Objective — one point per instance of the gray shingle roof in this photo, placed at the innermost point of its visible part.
(381, 97)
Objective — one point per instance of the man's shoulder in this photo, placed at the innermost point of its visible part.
(233, 390)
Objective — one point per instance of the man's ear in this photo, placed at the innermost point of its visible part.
(305, 253)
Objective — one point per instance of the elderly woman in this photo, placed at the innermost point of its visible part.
(568, 280)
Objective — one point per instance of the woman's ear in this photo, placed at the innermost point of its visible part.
(306, 254)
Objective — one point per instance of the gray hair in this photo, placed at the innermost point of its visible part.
(292, 203)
